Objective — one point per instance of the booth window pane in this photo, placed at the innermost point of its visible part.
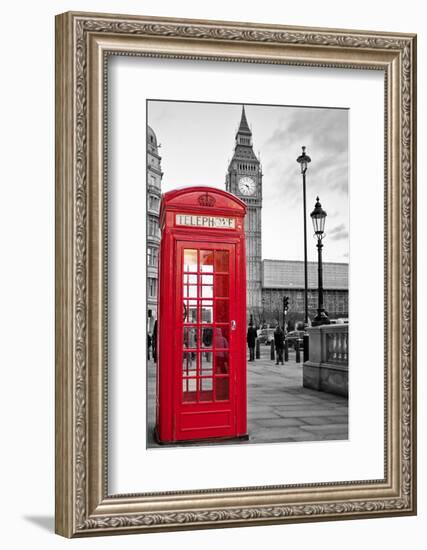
(190, 311)
(206, 261)
(206, 361)
(206, 389)
(207, 337)
(222, 389)
(190, 340)
(221, 311)
(189, 363)
(189, 390)
(190, 260)
(207, 291)
(221, 260)
(221, 338)
(221, 360)
(221, 286)
(190, 291)
(206, 279)
(190, 279)
(207, 311)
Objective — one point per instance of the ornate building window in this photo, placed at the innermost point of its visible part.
(152, 287)
(152, 255)
(153, 228)
(153, 203)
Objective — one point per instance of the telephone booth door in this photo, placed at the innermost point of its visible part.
(201, 338)
(206, 326)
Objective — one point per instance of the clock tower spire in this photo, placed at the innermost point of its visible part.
(244, 179)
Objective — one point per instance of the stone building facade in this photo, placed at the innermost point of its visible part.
(286, 278)
(154, 180)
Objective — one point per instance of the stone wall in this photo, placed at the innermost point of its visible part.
(327, 365)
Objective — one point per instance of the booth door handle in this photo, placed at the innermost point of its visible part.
(233, 325)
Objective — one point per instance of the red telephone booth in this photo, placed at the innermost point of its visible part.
(201, 368)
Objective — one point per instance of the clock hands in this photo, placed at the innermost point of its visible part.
(246, 186)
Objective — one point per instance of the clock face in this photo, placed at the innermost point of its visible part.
(246, 185)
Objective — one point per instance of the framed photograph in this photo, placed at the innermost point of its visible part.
(235, 274)
(211, 290)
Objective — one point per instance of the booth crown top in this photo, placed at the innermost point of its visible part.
(203, 198)
(210, 197)
(206, 200)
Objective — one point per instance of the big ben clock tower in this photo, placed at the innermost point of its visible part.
(244, 179)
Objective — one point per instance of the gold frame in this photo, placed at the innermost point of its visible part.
(83, 43)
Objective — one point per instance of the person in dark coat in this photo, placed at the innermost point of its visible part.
(149, 342)
(251, 340)
(279, 344)
(154, 341)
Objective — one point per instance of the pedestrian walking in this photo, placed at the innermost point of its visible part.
(279, 344)
(154, 341)
(207, 342)
(149, 343)
(251, 340)
(221, 353)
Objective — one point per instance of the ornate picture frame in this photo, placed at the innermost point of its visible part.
(83, 44)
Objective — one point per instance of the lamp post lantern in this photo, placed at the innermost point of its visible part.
(303, 160)
(318, 217)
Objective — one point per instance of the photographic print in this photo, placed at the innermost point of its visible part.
(247, 273)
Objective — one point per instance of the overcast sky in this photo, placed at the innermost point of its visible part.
(197, 141)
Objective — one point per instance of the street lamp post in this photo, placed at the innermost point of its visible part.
(318, 217)
(263, 312)
(303, 160)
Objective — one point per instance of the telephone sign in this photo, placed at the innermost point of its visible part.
(213, 222)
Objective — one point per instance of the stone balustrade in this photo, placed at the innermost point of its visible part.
(327, 365)
(337, 344)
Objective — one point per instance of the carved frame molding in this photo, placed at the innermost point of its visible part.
(83, 44)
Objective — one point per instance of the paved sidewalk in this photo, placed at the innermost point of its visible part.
(279, 408)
